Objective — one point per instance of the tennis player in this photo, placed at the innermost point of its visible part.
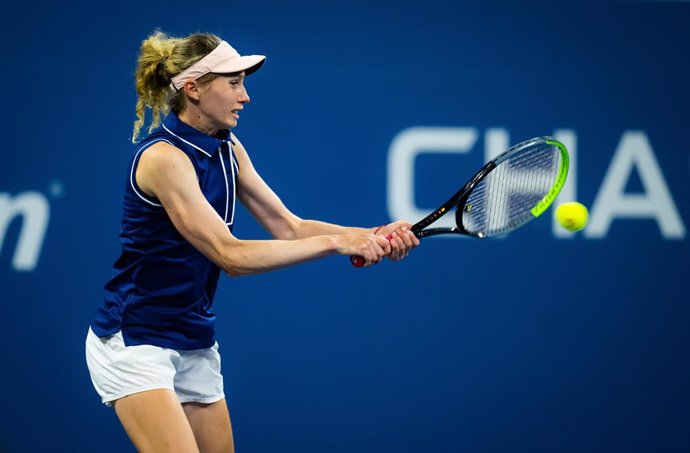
(151, 349)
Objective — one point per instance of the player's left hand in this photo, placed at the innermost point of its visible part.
(401, 238)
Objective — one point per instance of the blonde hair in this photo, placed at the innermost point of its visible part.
(162, 57)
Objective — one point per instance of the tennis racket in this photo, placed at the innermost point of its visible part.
(506, 193)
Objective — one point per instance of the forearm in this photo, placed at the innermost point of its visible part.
(310, 228)
(253, 257)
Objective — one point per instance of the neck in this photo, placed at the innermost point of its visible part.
(195, 120)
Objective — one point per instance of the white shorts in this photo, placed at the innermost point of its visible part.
(118, 370)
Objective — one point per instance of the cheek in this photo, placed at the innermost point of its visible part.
(216, 102)
(223, 98)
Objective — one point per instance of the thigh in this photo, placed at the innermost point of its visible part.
(156, 422)
(211, 426)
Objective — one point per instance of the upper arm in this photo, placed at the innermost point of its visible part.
(266, 207)
(166, 173)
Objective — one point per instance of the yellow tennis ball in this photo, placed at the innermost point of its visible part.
(572, 215)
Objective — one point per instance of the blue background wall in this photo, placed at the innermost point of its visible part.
(538, 342)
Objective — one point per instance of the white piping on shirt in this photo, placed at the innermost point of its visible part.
(234, 161)
(234, 182)
(189, 143)
(227, 187)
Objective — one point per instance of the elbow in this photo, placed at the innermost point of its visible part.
(286, 228)
(290, 230)
(236, 262)
(233, 272)
(233, 269)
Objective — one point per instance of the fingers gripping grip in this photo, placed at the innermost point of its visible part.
(358, 261)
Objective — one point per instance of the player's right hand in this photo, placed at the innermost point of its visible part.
(370, 247)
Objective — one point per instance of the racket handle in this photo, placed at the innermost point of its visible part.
(357, 261)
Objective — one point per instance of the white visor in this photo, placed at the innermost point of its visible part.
(222, 60)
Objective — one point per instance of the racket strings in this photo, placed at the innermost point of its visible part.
(512, 197)
(511, 206)
(479, 192)
(503, 200)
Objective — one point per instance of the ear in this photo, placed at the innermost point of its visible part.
(191, 89)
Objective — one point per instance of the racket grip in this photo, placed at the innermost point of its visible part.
(357, 261)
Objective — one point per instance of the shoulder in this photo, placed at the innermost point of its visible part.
(163, 153)
(236, 142)
(239, 149)
(164, 164)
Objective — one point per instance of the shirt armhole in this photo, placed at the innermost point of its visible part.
(133, 180)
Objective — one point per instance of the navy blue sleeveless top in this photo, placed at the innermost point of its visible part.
(162, 288)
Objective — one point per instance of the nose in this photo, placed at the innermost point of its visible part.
(244, 96)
